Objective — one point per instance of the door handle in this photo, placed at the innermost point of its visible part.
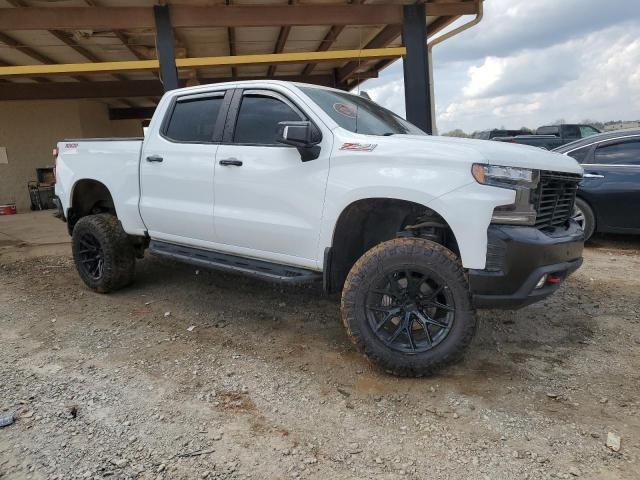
(231, 162)
(593, 175)
(154, 158)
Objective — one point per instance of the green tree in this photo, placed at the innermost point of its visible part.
(456, 133)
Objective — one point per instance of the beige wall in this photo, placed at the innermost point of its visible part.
(30, 129)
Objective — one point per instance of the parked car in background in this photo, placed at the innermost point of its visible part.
(491, 134)
(552, 136)
(608, 198)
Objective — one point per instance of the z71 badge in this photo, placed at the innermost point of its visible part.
(359, 147)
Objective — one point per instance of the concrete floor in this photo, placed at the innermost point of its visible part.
(32, 234)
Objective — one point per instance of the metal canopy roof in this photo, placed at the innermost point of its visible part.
(36, 33)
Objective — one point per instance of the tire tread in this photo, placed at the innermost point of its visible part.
(438, 257)
(119, 265)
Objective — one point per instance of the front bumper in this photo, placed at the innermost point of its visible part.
(517, 258)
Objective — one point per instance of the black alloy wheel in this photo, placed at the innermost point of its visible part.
(91, 256)
(410, 310)
(406, 306)
(104, 256)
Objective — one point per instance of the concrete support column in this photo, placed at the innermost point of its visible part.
(165, 47)
(417, 91)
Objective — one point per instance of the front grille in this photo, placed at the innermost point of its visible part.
(554, 198)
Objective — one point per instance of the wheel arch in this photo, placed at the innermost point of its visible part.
(89, 196)
(367, 222)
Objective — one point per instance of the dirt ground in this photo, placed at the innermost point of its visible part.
(197, 374)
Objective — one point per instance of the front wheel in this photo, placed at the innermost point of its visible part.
(104, 257)
(585, 218)
(406, 306)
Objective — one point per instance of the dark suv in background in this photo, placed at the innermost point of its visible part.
(609, 196)
(497, 133)
(552, 136)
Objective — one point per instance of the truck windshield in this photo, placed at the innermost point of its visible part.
(360, 115)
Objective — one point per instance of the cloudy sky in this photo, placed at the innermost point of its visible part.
(533, 62)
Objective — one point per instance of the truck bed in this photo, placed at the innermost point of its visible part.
(115, 161)
(104, 139)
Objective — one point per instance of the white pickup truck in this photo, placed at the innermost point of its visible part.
(297, 183)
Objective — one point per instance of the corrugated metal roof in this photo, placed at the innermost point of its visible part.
(31, 47)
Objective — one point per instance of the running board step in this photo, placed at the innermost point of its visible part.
(231, 263)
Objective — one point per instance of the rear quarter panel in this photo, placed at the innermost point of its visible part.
(114, 163)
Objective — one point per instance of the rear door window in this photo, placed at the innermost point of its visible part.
(193, 120)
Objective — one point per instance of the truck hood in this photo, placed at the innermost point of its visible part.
(495, 153)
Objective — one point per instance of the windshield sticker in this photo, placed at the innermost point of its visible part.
(345, 109)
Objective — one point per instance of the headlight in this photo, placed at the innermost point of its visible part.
(522, 180)
(503, 176)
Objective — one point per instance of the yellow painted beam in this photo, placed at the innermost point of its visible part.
(272, 58)
(292, 57)
(63, 68)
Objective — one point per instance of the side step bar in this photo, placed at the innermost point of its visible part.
(231, 263)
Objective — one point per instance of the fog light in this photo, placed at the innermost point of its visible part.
(542, 281)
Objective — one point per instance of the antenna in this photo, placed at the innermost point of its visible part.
(358, 74)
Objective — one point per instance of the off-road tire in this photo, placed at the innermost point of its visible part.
(119, 261)
(401, 253)
(589, 226)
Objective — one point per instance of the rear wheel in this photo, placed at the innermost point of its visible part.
(584, 216)
(406, 306)
(104, 257)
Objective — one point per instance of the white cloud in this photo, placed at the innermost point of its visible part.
(510, 26)
(483, 77)
(519, 91)
(529, 63)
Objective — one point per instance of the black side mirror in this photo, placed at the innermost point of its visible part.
(303, 135)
